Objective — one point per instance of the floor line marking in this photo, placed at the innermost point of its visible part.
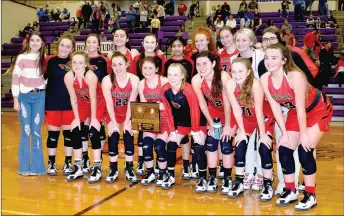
(17, 212)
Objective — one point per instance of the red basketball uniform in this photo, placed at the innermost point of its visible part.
(225, 59)
(215, 105)
(130, 59)
(133, 67)
(84, 103)
(250, 118)
(320, 114)
(155, 95)
(120, 97)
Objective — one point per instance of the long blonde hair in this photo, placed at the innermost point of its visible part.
(182, 70)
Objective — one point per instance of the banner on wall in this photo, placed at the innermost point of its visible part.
(105, 47)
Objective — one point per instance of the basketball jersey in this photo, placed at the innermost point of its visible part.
(225, 59)
(57, 96)
(83, 93)
(213, 102)
(101, 66)
(285, 94)
(120, 98)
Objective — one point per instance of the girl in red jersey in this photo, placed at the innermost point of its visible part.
(186, 115)
(58, 110)
(251, 111)
(150, 90)
(309, 116)
(229, 49)
(149, 45)
(120, 88)
(101, 66)
(88, 104)
(209, 85)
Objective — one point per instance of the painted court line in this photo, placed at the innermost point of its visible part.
(17, 212)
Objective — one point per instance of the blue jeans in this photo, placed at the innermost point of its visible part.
(323, 8)
(31, 115)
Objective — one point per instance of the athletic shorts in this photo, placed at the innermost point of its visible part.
(59, 118)
(184, 130)
(85, 111)
(120, 117)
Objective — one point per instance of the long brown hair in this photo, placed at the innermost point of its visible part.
(216, 85)
(26, 50)
(69, 37)
(114, 55)
(93, 35)
(142, 57)
(246, 94)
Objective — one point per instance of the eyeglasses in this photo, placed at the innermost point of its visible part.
(271, 40)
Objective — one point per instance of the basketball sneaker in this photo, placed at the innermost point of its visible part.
(86, 166)
(287, 197)
(220, 173)
(226, 185)
(279, 189)
(186, 173)
(212, 184)
(76, 174)
(67, 169)
(308, 202)
(257, 183)
(96, 175)
(130, 175)
(112, 177)
(201, 186)
(266, 194)
(168, 182)
(140, 169)
(52, 171)
(236, 190)
(194, 172)
(148, 179)
(248, 181)
(161, 179)
(301, 187)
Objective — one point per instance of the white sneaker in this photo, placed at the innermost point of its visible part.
(258, 182)
(308, 202)
(212, 184)
(194, 175)
(168, 182)
(236, 190)
(220, 173)
(226, 185)
(301, 187)
(279, 189)
(96, 175)
(112, 177)
(186, 174)
(266, 194)
(248, 181)
(148, 179)
(160, 180)
(130, 175)
(140, 169)
(201, 186)
(287, 197)
(67, 169)
(52, 171)
(76, 174)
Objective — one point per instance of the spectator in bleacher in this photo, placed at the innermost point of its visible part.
(231, 22)
(65, 15)
(131, 17)
(341, 5)
(309, 40)
(96, 15)
(287, 25)
(35, 26)
(270, 23)
(210, 18)
(332, 22)
(117, 13)
(327, 60)
(79, 16)
(40, 14)
(248, 18)
(225, 11)
(323, 7)
(317, 47)
(169, 8)
(298, 10)
(318, 23)
(103, 10)
(111, 25)
(28, 90)
(46, 10)
(285, 7)
(51, 14)
(161, 12)
(57, 14)
(93, 5)
(192, 13)
(253, 5)
(256, 23)
(27, 29)
(144, 14)
(217, 12)
(340, 69)
(289, 38)
(86, 11)
(310, 23)
(218, 23)
(155, 24)
(242, 9)
(102, 37)
(26, 40)
(308, 7)
(182, 8)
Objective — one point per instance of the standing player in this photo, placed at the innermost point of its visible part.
(150, 90)
(101, 66)
(229, 49)
(309, 116)
(251, 111)
(186, 115)
(209, 85)
(88, 106)
(58, 110)
(120, 88)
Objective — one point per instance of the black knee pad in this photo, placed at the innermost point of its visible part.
(102, 133)
(172, 147)
(226, 147)
(185, 140)
(240, 154)
(148, 148)
(113, 144)
(307, 160)
(76, 138)
(140, 139)
(200, 156)
(212, 144)
(67, 138)
(128, 143)
(95, 138)
(53, 138)
(265, 156)
(160, 150)
(287, 160)
(84, 132)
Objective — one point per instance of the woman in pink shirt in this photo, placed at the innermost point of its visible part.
(28, 89)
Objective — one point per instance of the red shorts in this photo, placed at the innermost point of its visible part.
(251, 126)
(215, 113)
(321, 115)
(120, 118)
(184, 130)
(85, 111)
(59, 118)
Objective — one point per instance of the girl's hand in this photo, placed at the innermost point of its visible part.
(265, 139)
(225, 136)
(240, 136)
(127, 127)
(16, 105)
(112, 127)
(95, 123)
(305, 142)
(75, 123)
(283, 140)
